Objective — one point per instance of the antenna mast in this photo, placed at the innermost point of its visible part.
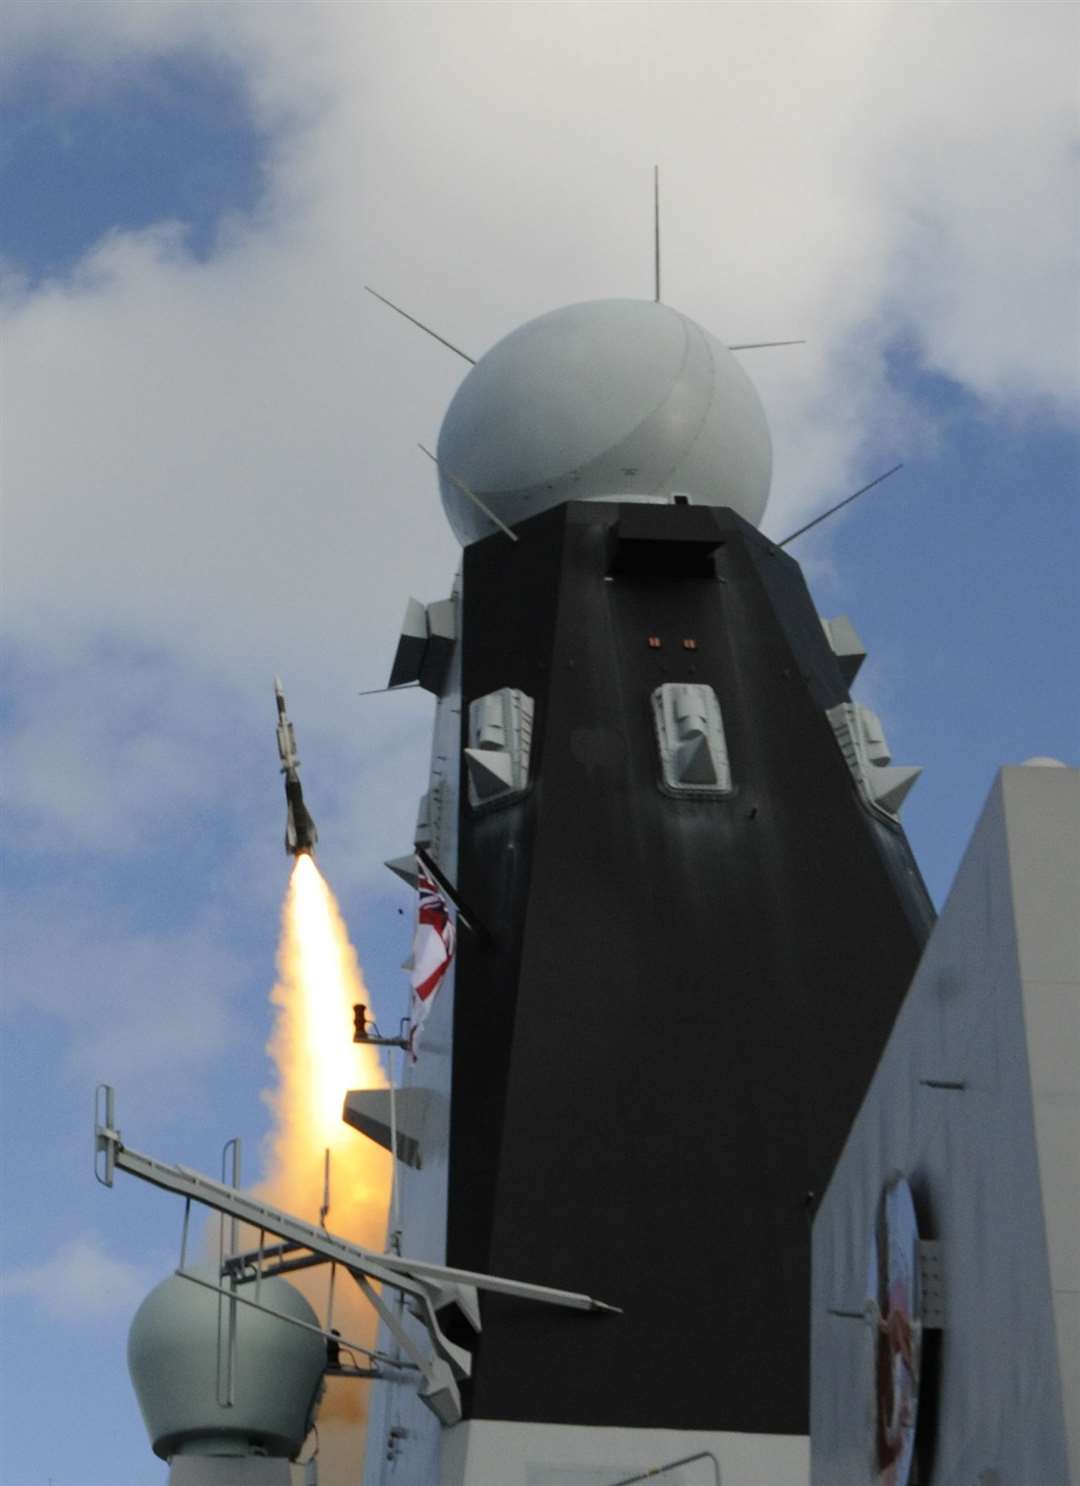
(460, 484)
(839, 506)
(435, 336)
(656, 229)
(324, 1210)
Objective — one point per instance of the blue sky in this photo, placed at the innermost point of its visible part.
(212, 477)
(169, 139)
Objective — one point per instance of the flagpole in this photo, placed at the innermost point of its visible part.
(395, 1219)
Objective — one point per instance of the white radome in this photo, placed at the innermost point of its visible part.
(173, 1361)
(611, 399)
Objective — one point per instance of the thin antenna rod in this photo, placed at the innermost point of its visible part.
(395, 1205)
(324, 1210)
(378, 691)
(839, 506)
(761, 345)
(490, 514)
(656, 227)
(420, 325)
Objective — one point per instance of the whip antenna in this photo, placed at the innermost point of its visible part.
(324, 1210)
(488, 512)
(656, 228)
(421, 326)
(839, 506)
(761, 345)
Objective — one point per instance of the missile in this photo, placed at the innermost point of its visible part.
(300, 832)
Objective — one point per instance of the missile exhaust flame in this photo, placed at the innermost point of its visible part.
(319, 981)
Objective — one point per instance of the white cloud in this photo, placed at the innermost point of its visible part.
(80, 1282)
(220, 457)
(110, 742)
(150, 1012)
(220, 451)
(124, 750)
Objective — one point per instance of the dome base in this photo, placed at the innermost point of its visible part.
(223, 1470)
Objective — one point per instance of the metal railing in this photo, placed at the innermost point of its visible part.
(662, 1470)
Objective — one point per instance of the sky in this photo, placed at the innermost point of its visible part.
(210, 476)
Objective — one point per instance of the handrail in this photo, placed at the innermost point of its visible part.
(661, 1470)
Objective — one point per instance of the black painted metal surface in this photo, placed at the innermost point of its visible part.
(659, 1055)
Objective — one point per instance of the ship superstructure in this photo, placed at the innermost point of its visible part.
(716, 1160)
(700, 914)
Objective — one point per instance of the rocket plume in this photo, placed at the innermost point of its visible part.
(319, 981)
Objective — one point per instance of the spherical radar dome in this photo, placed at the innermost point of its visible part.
(173, 1360)
(612, 399)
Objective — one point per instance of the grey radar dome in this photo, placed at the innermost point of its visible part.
(173, 1361)
(612, 399)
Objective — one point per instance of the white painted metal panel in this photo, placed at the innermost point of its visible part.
(482, 1452)
(993, 1164)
